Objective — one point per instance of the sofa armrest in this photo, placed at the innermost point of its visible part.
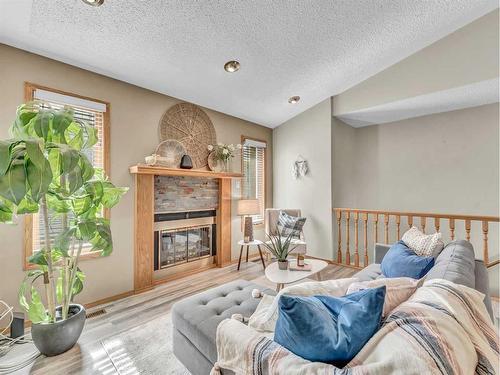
(379, 252)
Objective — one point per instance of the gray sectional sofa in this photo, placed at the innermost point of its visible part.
(195, 318)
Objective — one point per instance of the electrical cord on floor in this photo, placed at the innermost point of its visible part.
(6, 344)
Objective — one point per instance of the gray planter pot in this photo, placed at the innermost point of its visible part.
(55, 338)
(283, 265)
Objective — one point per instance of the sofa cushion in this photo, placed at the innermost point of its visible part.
(456, 264)
(290, 225)
(401, 261)
(198, 316)
(398, 290)
(370, 272)
(329, 329)
(422, 244)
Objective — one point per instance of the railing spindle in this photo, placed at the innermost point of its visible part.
(339, 237)
(356, 251)
(467, 230)
(410, 221)
(423, 220)
(375, 226)
(398, 224)
(437, 224)
(386, 228)
(486, 256)
(365, 234)
(452, 229)
(347, 250)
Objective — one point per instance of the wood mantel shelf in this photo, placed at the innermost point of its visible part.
(164, 171)
(144, 176)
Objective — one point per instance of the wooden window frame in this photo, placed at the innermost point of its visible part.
(29, 94)
(243, 139)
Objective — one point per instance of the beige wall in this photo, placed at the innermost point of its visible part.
(444, 163)
(308, 135)
(469, 55)
(135, 114)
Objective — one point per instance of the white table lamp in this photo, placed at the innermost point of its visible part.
(247, 207)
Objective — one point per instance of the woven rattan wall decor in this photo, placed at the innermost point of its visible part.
(191, 126)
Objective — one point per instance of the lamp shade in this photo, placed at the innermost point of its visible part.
(248, 207)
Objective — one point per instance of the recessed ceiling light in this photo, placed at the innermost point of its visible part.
(294, 99)
(94, 3)
(232, 66)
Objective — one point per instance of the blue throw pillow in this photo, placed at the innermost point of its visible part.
(329, 329)
(401, 261)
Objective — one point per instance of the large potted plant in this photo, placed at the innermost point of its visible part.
(44, 168)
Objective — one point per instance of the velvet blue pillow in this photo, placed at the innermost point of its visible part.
(329, 329)
(401, 261)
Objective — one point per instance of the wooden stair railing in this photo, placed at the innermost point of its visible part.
(348, 220)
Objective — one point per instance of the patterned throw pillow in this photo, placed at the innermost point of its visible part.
(290, 225)
(426, 245)
(398, 290)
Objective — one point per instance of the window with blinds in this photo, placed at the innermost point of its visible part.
(84, 110)
(253, 169)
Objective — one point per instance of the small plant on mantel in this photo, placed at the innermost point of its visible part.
(44, 169)
(224, 153)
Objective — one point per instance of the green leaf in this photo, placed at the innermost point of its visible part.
(87, 169)
(112, 194)
(91, 136)
(6, 211)
(81, 205)
(74, 135)
(95, 190)
(13, 183)
(62, 120)
(39, 178)
(58, 203)
(5, 154)
(42, 124)
(38, 257)
(27, 206)
(74, 179)
(35, 153)
(36, 310)
(86, 230)
(78, 283)
(63, 240)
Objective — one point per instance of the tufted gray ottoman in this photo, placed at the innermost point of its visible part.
(195, 320)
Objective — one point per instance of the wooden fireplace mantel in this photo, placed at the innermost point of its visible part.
(144, 218)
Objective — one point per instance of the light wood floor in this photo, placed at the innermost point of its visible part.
(134, 336)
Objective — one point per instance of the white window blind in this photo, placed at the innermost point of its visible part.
(253, 159)
(93, 115)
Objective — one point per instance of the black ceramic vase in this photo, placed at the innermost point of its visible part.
(186, 162)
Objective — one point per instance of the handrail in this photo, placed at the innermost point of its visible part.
(351, 218)
(423, 214)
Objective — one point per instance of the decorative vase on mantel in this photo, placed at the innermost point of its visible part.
(225, 165)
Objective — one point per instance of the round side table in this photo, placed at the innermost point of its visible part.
(248, 244)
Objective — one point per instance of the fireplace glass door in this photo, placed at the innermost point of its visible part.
(184, 245)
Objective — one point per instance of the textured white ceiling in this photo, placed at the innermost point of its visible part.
(473, 95)
(311, 48)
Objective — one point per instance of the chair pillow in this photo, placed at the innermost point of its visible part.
(423, 244)
(329, 329)
(288, 224)
(401, 261)
(398, 290)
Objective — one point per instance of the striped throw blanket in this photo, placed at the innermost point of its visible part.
(443, 328)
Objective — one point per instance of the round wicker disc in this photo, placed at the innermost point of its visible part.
(188, 124)
(172, 151)
(212, 163)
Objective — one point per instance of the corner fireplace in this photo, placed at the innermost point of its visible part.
(184, 237)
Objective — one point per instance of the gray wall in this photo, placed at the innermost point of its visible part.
(308, 135)
(442, 163)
